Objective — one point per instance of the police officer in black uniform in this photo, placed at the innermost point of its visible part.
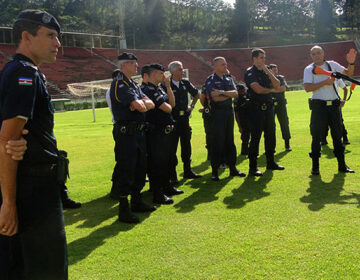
(32, 236)
(280, 103)
(325, 106)
(241, 104)
(129, 105)
(160, 135)
(181, 112)
(221, 89)
(261, 83)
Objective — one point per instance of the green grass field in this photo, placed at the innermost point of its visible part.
(283, 225)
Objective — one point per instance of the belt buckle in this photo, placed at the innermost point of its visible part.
(329, 103)
(207, 111)
(263, 107)
(167, 129)
(123, 129)
(141, 127)
(181, 113)
(276, 103)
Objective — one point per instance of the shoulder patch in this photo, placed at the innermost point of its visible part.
(25, 81)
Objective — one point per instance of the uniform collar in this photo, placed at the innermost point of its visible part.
(151, 84)
(19, 56)
(121, 74)
(221, 78)
(257, 69)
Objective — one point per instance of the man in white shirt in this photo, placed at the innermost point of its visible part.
(325, 105)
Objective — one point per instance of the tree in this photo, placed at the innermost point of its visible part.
(324, 22)
(240, 22)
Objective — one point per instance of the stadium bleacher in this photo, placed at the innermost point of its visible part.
(198, 70)
(291, 60)
(76, 65)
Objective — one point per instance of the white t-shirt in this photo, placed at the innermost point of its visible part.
(326, 92)
(177, 84)
(108, 101)
(340, 83)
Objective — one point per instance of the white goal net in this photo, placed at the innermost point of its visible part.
(97, 89)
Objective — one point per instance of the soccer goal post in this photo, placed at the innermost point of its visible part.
(97, 89)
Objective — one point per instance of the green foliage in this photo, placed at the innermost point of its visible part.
(72, 106)
(183, 24)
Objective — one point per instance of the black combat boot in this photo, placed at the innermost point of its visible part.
(173, 176)
(170, 191)
(125, 215)
(271, 164)
(161, 198)
(253, 171)
(287, 145)
(346, 140)
(67, 202)
(138, 205)
(188, 173)
(215, 175)
(235, 172)
(342, 166)
(315, 166)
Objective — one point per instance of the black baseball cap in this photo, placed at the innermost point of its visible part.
(39, 17)
(127, 56)
(145, 69)
(157, 66)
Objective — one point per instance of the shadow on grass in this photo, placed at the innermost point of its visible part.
(205, 165)
(328, 152)
(322, 193)
(92, 214)
(206, 192)
(253, 188)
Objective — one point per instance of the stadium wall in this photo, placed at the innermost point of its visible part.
(75, 65)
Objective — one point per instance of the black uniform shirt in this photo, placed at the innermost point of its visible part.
(158, 117)
(143, 86)
(181, 95)
(225, 83)
(280, 96)
(254, 75)
(122, 92)
(23, 93)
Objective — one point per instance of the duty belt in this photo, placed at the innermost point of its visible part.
(323, 103)
(38, 170)
(262, 106)
(131, 127)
